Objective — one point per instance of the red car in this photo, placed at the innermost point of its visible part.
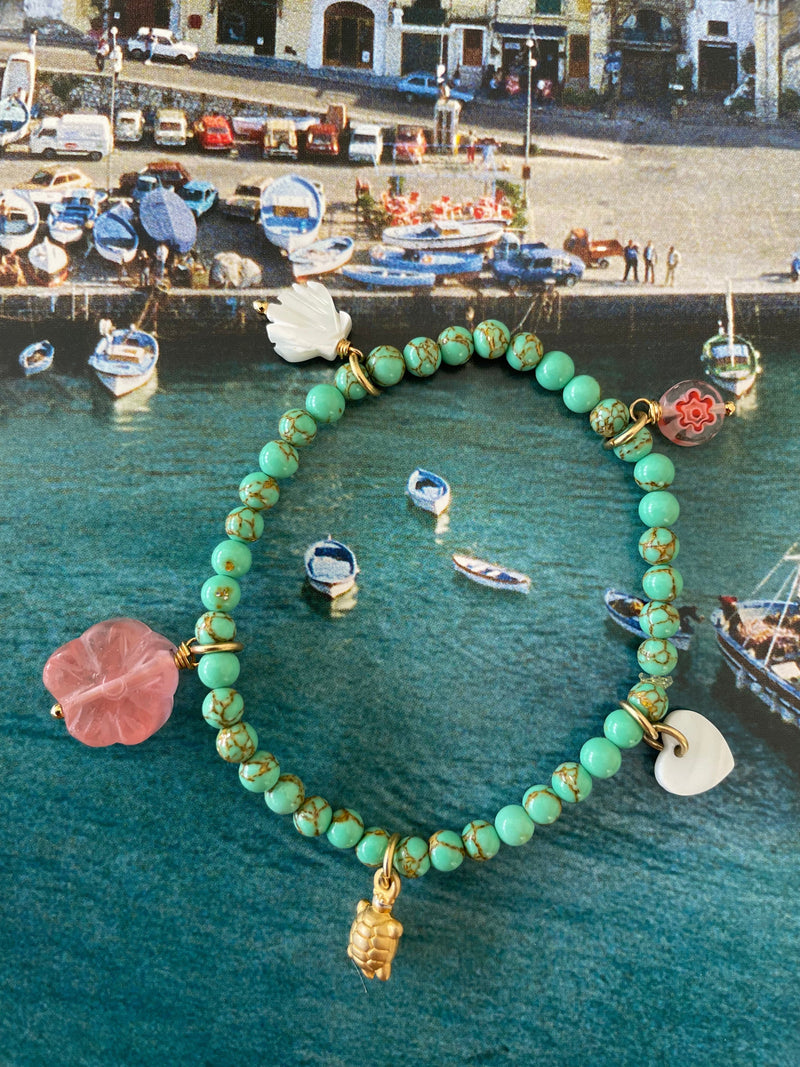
(214, 133)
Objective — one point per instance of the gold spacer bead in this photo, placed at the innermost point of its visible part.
(57, 711)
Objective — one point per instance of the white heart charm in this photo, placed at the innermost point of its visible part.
(707, 762)
(304, 323)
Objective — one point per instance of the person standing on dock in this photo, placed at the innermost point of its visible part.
(631, 254)
(650, 259)
(673, 259)
(32, 41)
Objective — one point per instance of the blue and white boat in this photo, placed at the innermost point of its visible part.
(624, 610)
(19, 220)
(115, 236)
(443, 264)
(444, 236)
(36, 357)
(14, 120)
(331, 567)
(16, 97)
(291, 212)
(125, 360)
(390, 277)
(491, 574)
(322, 257)
(428, 491)
(69, 218)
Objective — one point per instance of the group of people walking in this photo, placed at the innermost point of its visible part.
(650, 257)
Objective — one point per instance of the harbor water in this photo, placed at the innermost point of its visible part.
(157, 912)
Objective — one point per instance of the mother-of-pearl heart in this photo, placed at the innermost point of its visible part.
(707, 762)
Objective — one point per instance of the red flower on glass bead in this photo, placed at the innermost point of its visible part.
(695, 411)
(691, 412)
(115, 683)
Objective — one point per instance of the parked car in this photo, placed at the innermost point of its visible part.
(167, 172)
(72, 135)
(744, 94)
(129, 127)
(245, 203)
(410, 144)
(200, 196)
(517, 265)
(51, 184)
(366, 143)
(321, 141)
(279, 140)
(164, 46)
(214, 133)
(171, 130)
(421, 86)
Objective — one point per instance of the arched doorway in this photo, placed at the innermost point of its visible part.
(349, 36)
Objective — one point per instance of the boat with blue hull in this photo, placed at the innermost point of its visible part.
(19, 220)
(624, 610)
(291, 212)
(331, 567)
(168, 220)
(115, 236)
(36, 357)
(429, 491)
(491, 574)
(390, 277)
(443, 264)
(69, 219)
(125, 359)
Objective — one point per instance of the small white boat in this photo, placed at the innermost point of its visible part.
(50, 262)
(322, 257)
(19, 220)
(449, 236)
(478, 570)
(291, 212)
(69, 218)
(16, 97)
(125, 360)
(428, 491)
(36, 358)
(331, 567)
(390, 277)
(624, 610)
(114, 235)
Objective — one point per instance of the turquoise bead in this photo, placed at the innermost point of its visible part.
(297, 427)
(571, 782)
(446, 850)
(662, 582)
(346, 828)
(542, 804)
(524, 352)
(513, 824)
(411, 857)
(480, 840)
(456, 345)
(655, 471)
(220, 593)
(325, 403)
(258, 491)
(232, 558)
(660, 508)
(659, 619)
(650, 698)
(213, 627)
(279, 459)
(260, 772)
(491, 339)
(313, 817)
(609, 417)
(600, 757)
(657, 656)
(244, 524)
(237, 743)
(622, 729)
(639, 446)
(581, 394)
(348, 385)
(286, 795)
(555, 370)
(658, 544)
(385, 365)
(223, 707)
(372, 846)
(218, 670)
(422, 357)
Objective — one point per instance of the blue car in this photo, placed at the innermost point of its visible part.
(200, 196)
(421, 86)
(518, 265)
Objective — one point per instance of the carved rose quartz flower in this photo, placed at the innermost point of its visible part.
(115, 683)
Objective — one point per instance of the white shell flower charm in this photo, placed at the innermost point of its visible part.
(304, 323)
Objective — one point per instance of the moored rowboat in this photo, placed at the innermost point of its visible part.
(491, 574)
(429, 491)
(36, 358)
(331, 567)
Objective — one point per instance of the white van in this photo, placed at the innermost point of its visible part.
(366, 143)
(171, 130)
(72, 135)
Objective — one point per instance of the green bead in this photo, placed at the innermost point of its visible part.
(639, 446)
(348, 385)
(371, 847)
(220, 593)
(609, 417)
(313, 817)
(278, 459)
(237, 743)
(213, 627)
(658, 544)
(385, 365)
(223, 707)
(260, 772)
(480, 840)
(232, 558)
(650, 698)
(297, 427)
(571, 782)
(542, 804)
(659, 508)
(258, 491)
(600, 757)
(659, 619)
(244, 524)
(411, 857)
(655, 471)
(325, 403)
(422, 357)
(346, 828)
(286, 795)
(622, 729)
(524, 352)
(218, 669)
(446, 850)
(491, 339)
(554, 371)
(513, 824)
(456, 345)
(657, 656)
(662, 582)
(581, 393)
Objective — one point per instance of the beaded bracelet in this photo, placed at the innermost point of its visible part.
(116, 682)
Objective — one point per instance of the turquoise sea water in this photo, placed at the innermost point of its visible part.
(155, 912)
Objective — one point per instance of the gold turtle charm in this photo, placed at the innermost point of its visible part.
(375, 933)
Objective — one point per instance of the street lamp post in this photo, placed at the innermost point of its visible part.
(115, 55)
(529, 45)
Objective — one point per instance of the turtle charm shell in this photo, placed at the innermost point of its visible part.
(375, 933)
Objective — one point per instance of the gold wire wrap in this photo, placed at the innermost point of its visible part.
(186, 652)
(653, 730)
(649, 416)
(345, 350)
(387, 870)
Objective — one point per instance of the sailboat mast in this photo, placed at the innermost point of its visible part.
(729, 310)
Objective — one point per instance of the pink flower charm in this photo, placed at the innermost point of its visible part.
(691, 413)
(115, 682)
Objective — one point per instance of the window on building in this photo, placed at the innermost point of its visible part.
(579, 55)
(717, 29)
(472, 48)
(548, 7)
(247, 22)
